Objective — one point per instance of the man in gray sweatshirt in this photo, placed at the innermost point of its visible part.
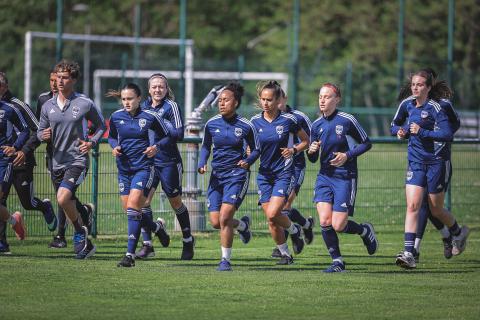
(63, 122)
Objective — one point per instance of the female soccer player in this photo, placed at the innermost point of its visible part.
(427, 131)
(129, 139)
(441, 93)
(168, 166)
(229, 133)
(299, 166)
(339, 139)
(275, 130)
(8, 148)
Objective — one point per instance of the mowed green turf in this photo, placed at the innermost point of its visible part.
(42, 283)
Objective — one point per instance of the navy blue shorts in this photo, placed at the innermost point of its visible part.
(299, 175)
(141, 180)
(340, 192)
(434, 177)
(227, 187)
(275, 185)
(6, 176)
(171, 179)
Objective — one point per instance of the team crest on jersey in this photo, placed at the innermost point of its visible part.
(424, 114)
(75, 111)
(121, 187)
(338, 129)
(142, 123)
(279, 130)
(409, 175)
(238, 132)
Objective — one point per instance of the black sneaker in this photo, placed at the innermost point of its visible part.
(162, 233)
(50, 217)
(58, 242)
(246, 234)
(416, 255)
(4, 248)
(127, 262)
(90, 207)
(308, 233)
(146, 252)
(276, 253)
(187, 251)
(370, 239)
(297, 240)
(87, 252)
(285, 260)
(447, 247)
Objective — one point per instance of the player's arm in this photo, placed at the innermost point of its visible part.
(205, 150)
(399, 121)
(314, 147)
(175, 118)
(443, 133)
(32, 142)
(95, 116)
(23, 132)
(358, 133)
(253, 144)
(452, 115)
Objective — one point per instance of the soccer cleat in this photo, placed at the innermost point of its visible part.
(50, 217)
(370, 239)
(187, 251)
(19, 226)
(297, 240)
(88, 251)
(416, 255)
(91, 210)
(80, 240)
(336, 266)
(146, 252)
(308, 233)
(285, 260)
(447, 247)
(406, 260)
(224, 265)
(126, 262)
(246, 234)
(4, 248)
(276, 253)
(162, 233)
(58, 242)
(459, 243)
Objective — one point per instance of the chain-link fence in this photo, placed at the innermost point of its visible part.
(380, 197)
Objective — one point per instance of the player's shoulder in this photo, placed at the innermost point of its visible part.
(214, 119)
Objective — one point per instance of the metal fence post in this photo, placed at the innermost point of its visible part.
(95, 156)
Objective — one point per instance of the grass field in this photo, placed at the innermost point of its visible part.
(42, 283)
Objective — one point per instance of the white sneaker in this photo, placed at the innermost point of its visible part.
(460, 242)
(406, 260)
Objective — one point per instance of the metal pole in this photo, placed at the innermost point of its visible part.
(241, 67)
(86, 62)
(124, 67)
(451, 30)
(95, 156)
(181, 53)
(59, 48)
(28, 68)
(400, 58)
(294, 54)
(136, 48)
(348, 87)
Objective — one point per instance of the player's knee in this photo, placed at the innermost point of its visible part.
(215, 222)
(338, 226)
(225, 220)
(324, 221)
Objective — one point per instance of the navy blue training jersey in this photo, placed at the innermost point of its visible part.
(304, 123)
(273, 136)
(168, 154)
(11, 118)
(229, 137)
(430, 144)
(339, 132)
(132, 134)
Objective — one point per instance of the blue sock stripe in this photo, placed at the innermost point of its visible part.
(147, 210)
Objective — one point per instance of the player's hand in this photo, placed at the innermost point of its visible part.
(151, 151)
(339, 160)
(84, 146)
(117, 151)
(401, 134)
(414, 128)
(47, 134)
(244, 164)
(287, 153)
(202, 170)
(248, 151)
(19, 158)
(314, 146)
(9, 151)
